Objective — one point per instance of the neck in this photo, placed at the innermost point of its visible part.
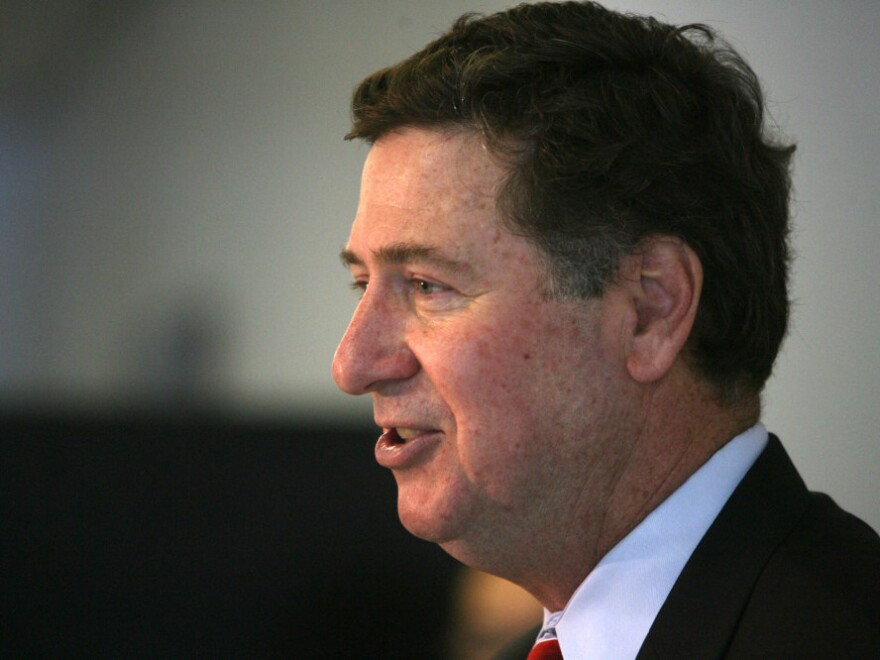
(680, 426)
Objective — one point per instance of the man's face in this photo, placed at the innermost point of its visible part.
(498, 405)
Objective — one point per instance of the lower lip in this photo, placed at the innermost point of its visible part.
(396, 455)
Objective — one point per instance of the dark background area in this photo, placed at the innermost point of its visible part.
(193, 535)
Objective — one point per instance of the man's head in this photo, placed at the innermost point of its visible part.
(503, 410)
(615, 128)
(570, 239)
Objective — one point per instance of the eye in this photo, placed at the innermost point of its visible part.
(427, 288)
(358, 286)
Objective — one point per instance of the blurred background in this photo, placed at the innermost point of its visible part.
(179, 473)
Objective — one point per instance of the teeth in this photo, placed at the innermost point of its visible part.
(408, 434)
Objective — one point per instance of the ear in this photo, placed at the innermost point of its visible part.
(664, 280)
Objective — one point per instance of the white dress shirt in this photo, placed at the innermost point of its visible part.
(610, 613)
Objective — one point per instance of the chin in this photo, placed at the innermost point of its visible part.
(421, 524)
(430, 519)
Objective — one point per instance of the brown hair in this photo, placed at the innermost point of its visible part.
(618, 127)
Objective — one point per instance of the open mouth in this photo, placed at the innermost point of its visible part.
(400, 436)
(401, 447)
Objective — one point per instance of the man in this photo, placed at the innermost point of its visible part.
(571, 245)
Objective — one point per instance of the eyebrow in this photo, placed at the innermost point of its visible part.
(398, 254)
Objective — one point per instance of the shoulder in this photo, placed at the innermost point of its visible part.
(781, 573)
(819, 592)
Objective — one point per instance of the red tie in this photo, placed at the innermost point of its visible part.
(547, 649)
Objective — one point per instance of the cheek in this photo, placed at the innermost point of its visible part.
(490, 381)
(495, 364)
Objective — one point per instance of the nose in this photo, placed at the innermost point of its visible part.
(373, 351)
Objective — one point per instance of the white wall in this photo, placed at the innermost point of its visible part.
(196, 184)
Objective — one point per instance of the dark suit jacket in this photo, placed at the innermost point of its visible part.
(781, 573)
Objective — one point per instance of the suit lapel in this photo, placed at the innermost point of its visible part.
(700, 615)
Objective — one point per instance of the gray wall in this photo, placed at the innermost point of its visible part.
(174, 189)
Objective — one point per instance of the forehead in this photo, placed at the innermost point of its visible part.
(419, 182)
